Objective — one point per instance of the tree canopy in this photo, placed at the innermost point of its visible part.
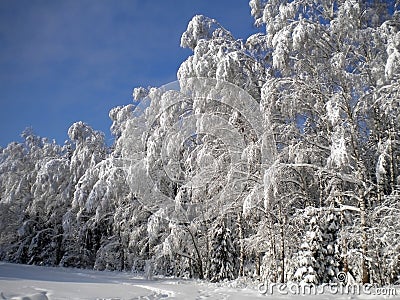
(276, 157)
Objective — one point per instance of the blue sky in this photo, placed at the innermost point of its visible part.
(73, 60)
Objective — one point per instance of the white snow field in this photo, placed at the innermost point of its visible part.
(24, 282)
(27, 282)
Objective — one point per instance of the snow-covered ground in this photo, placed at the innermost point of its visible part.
(40, 283)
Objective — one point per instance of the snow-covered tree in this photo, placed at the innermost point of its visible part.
(36, 189)
(291, 136)
(311, 256)
(217, 54)
(222, 262)
(331, 244)
(318, 258)
(89, 149)
(324, 106)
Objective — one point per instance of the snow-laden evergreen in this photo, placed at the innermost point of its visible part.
(222, 264)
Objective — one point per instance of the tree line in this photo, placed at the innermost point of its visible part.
(276, 157)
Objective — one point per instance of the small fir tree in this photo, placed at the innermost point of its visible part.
(311, 255)
(222, 254)
(330, 244)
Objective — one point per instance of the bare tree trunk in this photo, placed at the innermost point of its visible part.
(345, 262)
(241, 245)
(122, 251)
(274, 254)
(258, 263)
(282, 250)
(199, 258)
(392, 158)
(364, 246)
(378, 141)
(362, 204)
(282, 279)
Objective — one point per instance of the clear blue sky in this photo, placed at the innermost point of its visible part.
(73, 60)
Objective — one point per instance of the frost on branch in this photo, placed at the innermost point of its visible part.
(257, 7)
(339, 157)
(119, 116)
(90, 148)
(273, 157)
(140, 93)
(392, 67)
(202, 28)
